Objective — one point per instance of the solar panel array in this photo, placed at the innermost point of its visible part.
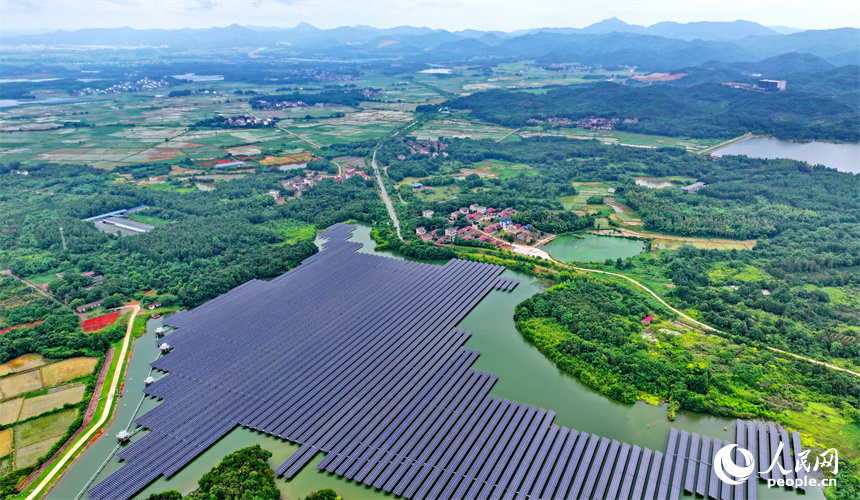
(358, 356)
(693, 457)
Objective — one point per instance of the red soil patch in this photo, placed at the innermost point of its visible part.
(99, 322)
(18, 326)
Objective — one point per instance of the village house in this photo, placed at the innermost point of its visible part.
(87, 307)
(506, 223)
(427, 214)
(474, 207)
(453, 216)
(420, 231)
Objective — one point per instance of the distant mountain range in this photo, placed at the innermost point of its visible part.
(660, 47)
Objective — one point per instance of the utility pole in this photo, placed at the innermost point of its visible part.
(63, 237)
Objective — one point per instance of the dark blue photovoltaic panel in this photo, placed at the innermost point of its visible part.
(359, 357)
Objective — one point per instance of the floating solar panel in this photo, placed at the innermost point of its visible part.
(359, 357)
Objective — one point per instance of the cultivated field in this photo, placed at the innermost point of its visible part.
(436, 129)
(36, 437)
(9, 411)
(69, 369)
(5, 442)
(21, 383)
(47, 402)
(22, 363)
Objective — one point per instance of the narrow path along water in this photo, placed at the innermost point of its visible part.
(105, 414)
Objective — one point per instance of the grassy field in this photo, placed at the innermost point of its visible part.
(440, 193)
(294, 232)
(622, 138)
(722, 273)
(498, 168)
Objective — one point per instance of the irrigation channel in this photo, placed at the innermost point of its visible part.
(525, 375)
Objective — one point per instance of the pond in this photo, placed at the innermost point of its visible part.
(592, 248)
(525, 375)
(843, 157)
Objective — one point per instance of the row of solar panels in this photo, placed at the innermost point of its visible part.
(356, 312)
(358, 356)
(506, 284)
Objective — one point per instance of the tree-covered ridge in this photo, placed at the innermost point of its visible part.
(592, 328)
(703, 111)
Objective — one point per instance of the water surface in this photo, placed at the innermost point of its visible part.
(843, 157)
(525, 375)
(592, 248)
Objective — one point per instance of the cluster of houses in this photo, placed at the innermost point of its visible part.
(431, 148)
(350, 172)
(299, 183)
(249, 121)
(483, 224)
(554, 120)
(599, 123)
(143, 84)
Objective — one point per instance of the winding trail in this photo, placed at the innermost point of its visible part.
(703, 325)
(57, 468)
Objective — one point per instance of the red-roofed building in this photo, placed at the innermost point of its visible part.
(648, 319)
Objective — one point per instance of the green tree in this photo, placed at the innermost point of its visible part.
(245, 474)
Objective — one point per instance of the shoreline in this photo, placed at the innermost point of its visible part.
(743, 138)
(725, 144)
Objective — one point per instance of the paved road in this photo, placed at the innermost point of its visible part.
(106, 411)
(385, 197)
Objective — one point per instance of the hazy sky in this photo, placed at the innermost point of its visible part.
(27, 15)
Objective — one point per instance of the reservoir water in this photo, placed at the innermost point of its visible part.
(842, 157)
(525, 375)
(592, 248)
